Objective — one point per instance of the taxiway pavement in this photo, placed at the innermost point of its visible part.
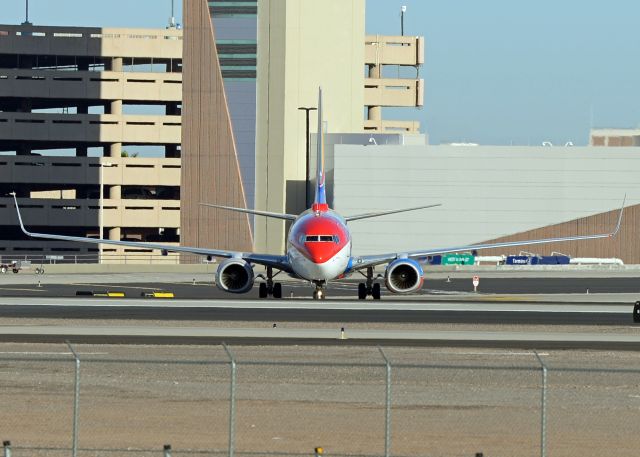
(201, 286)
(340, 311)
(398, 319)
(105, 334)
(540, 312)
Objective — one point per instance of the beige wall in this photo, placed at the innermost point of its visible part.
(302, 45)
(84, 213)
(91, 41)
(106, 85)
(394, 50)
(101, 128)
(615, 137)
(85, 69)
(137, 171)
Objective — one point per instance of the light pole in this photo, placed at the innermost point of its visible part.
(26, 14)
(403, 9)
(306, 179)
(172, 20)
(101, 212)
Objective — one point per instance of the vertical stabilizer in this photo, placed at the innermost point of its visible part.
(320, 201)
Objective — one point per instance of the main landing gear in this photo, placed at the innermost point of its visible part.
(319, 294)
(369, 287)
(270, 288)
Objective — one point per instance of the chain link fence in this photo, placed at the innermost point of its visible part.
(139, 401)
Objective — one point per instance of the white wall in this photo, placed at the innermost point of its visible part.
(486, 192)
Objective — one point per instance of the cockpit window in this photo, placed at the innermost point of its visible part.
(321, 238)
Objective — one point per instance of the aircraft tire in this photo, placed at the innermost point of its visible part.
(375, 292)
(636, 312)
(362, 291)
(277, 290)
(262, 290)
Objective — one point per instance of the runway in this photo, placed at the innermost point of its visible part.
(319, 317)
(388, 311)
(508, 312)
(201, 286)
(279, 336)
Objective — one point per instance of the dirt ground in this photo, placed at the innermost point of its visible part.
(444, 402)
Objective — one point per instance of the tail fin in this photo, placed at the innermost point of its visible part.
(320, 201)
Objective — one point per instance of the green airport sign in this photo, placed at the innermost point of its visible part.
(458, 259)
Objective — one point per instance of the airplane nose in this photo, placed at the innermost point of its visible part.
(320, 252)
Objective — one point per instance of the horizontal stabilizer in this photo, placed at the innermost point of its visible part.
(383, 213)
(286, 217)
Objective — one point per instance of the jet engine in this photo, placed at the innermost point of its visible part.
(403, 276)
(235, 276)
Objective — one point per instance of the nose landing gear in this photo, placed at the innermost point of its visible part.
(319, 294)
(369, 288)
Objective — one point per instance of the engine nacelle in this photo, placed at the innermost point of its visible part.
(235, 276)
(403, 276)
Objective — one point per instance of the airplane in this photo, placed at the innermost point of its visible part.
(318, 248)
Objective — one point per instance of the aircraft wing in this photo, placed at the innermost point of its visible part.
(372, 260)
(276, 261)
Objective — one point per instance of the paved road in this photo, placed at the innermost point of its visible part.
(202, 288)
(514, 313)
(439, 302)
(209, 335)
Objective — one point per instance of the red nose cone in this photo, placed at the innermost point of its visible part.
(321, 252)
(319, 237)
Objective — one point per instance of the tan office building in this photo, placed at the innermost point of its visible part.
(74, 105)
(299, 46)
(615, 137)
(304, 45)
(248, 68)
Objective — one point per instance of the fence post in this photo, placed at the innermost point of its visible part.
(387, 418)
(232, 402)
(76, 401)
(543, 408)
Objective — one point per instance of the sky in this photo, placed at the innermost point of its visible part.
(496, 71)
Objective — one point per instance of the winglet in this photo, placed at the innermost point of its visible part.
(15, 200)
(617, 229)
